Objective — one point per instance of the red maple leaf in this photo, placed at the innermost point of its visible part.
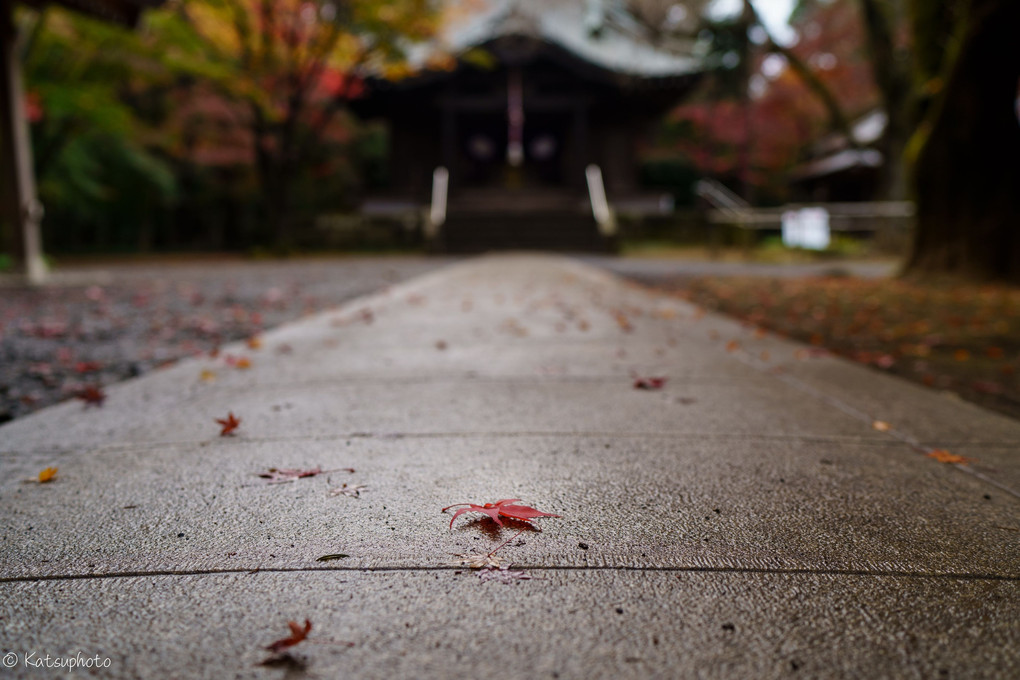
(649, 383)
(229, 424)
(92, 395)
(503, 508)
(87, 366)
(297, 634)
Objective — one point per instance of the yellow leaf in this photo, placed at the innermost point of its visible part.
(207, 375)
(47, 475)
(881, 426)
(943, 456)
(254, 342)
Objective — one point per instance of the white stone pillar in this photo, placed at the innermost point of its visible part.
(22, 210)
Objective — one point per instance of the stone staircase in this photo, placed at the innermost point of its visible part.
(526, 220)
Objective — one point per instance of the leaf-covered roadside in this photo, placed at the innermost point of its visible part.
(963, 338)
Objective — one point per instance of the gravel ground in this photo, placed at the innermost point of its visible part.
(96, 325)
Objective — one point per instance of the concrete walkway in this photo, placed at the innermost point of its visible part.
(747, 520)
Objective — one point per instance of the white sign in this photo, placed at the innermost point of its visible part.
(806, 228)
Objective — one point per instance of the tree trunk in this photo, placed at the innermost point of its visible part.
(966, 174)
(891, 71)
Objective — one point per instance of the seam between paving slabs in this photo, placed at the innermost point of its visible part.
(868, 439)
(898, 435)
(959, 576)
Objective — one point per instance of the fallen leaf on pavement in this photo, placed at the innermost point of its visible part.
(228, 424)
(207, 375)
(351, 490)
(649, 383)
(47, 475)
(623, 322)
(92, 395)
(284, 475)
(943, 456)
(297, 634)
(280, 476)
(330, 558)
(237, 362)
(881, 426)
(502, 508)
(503, 575)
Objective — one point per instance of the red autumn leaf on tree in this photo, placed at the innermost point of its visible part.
(297, 634)
(229, 424)
(649, 383)
(502, 508)
(92, 395)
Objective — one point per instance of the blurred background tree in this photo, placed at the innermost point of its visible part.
(218, 124)
(99, 178)
(290, 64)
(964, 151)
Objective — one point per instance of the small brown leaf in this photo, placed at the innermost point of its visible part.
(649, 383)
(92, 395)
(281, 476)
(228, 424)
(47, 475)
(284, 475)
(943, 456)
(297, 634)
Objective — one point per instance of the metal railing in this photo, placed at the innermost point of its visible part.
(844, 216)
(723, 199)
(600, 208)
(729, 208)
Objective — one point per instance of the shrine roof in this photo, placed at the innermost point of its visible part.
(600, 32)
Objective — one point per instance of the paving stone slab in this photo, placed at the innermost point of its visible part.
(560, 624)
(459, 406)
(724, 502)
(745, 523)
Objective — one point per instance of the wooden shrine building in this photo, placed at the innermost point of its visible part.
(535, 127)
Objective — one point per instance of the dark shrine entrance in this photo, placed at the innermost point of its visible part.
(519, 128)
(482, 151)
(529, 137)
